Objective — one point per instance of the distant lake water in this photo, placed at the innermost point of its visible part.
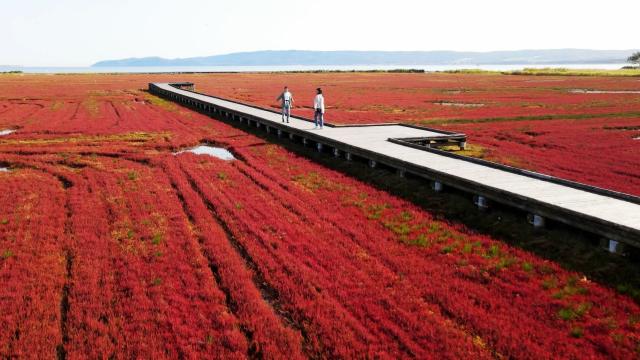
(181, 69)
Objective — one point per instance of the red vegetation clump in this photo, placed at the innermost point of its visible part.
(112, 246)
(601, 151)
(32, 262)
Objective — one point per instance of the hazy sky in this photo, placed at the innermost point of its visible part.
(81, 32)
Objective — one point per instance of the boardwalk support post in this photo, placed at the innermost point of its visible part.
(614, 246)
(347, 156)
(279, 133)
(291, 136)
(536, 220)
(436, 186)
(319, 147)
(401, 173)
(481, 202)
(372, 163)
(304, 141)
(336, 152)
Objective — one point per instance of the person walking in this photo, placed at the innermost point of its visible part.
(318, 107)
(287, 102)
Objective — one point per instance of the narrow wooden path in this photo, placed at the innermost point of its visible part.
(614, 216)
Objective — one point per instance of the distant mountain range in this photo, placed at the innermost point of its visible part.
(301, 57)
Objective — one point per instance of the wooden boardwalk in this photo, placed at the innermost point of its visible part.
(612, 215)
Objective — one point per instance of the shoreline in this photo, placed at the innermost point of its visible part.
(551, 71)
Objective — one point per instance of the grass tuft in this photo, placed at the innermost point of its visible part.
(6, 254)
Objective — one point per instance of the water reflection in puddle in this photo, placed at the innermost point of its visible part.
(6, 132)
(220, 153)
(4, 169)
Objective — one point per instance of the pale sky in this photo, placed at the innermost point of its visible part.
(81, 32)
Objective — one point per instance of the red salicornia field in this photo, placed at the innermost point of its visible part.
(114, 246)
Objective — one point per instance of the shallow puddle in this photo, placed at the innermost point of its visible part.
(6, 132)
(220, 153)
(586, 91)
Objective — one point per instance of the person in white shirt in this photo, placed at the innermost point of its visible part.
(287, 102)
(318, 107)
